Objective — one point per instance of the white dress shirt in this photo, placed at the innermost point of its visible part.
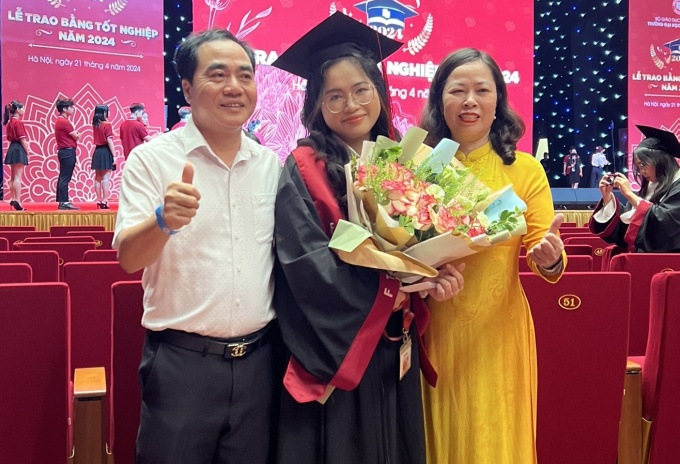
(214, 277)
(599, 160)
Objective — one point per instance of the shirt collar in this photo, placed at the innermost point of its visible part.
(476, 154)
(195, 142)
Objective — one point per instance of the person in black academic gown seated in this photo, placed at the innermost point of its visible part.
(344, 325)
(650, 222)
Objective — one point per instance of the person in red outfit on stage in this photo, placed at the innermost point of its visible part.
(67, 142)
(17, 153)
(184, 115)
(102, 158)
(133, 132)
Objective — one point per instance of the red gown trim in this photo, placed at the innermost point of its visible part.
(301, 384)
(635, 224)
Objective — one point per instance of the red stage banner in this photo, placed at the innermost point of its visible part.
(429, 29)
(653, 68)
(93, 51)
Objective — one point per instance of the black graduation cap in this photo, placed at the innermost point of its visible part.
(668, 141)
(336, 36)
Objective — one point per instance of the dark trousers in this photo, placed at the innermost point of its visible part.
(205, 409)
(595, 176)
(67, 162)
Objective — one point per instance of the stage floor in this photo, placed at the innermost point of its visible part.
(42, 216)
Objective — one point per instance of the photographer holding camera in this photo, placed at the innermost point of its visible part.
(650, 222)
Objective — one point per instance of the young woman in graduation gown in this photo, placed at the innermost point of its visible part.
(650, 221)
(342, 324)
(481, 342)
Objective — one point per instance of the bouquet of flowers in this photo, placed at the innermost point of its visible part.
(412, 208)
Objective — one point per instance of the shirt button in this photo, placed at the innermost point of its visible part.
(238, 269)
(238, 302)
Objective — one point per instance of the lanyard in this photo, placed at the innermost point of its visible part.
(407, 320)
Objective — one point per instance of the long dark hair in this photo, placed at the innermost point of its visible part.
(651, 153)
(101, 113)
(10, 110)
(506, 129)
(322, 139)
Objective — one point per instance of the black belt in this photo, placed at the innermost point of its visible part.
(229, 348)
(66, 148)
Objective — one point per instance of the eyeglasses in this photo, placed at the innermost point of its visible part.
(641, 166)
(362, 95)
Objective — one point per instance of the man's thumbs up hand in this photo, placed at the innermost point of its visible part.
(181, 200)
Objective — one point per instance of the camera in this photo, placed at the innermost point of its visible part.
(610, 178)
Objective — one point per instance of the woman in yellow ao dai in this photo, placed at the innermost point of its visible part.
(482, 342)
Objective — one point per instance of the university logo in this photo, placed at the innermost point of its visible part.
(662, 57)
(676, 6)
(390, 18)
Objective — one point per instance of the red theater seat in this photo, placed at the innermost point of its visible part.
(101, 255)
(4, 244)
(575, 250)
(566, 235)
(17, 228)
(102, 239)
(60, 231)
(15, 273)
(576, 263)
(661, 371)
(44, 264)
(581, 343)
(14, 236)
(127, 340)
(68, 252)
(90, 285)
(642, 267)
(571, 250)
(78, 239)
(568, 225)
(34, 373)
(597, 244)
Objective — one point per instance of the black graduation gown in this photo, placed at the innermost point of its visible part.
(329, 313)
(654, 228)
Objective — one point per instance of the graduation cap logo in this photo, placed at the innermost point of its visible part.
(668, 141)
(389, 17)
(389, 14)
(673, 46)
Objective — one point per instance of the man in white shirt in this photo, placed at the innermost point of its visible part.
(207, 367)
(598, 161)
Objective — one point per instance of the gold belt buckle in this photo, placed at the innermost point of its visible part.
(239, 350)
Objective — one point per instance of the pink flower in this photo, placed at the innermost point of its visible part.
(393, 188)
(423, 220)
(475, 229)
(362, 175)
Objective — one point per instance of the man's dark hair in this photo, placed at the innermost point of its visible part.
(186, 53)
(64, 104)
(134, 107)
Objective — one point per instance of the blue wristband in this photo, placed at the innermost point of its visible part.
(161, 222)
